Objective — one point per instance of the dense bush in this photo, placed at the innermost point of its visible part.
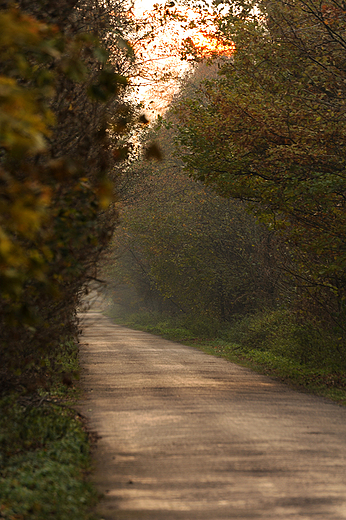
(60, 94)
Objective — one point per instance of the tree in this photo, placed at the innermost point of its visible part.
(59, 97)
(270, 130)
(184, 249)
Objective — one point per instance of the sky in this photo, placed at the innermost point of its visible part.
(162, 57)
(157, 94)
(145, 5)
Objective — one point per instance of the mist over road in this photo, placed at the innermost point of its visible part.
(187, 436)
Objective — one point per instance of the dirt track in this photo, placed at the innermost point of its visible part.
(187, 436)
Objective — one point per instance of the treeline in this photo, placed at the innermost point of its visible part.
(62, 118)
(271, 131)
(246, 213)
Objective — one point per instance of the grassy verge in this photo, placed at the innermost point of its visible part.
(44, 453)
(271, 343)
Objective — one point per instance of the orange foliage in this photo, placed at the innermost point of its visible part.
(208, 45)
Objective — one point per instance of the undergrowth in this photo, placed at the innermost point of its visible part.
(44, 452)
(270, 342)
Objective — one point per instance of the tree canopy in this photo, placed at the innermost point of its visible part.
(271, 130)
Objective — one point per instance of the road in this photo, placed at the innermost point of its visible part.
(187, 436)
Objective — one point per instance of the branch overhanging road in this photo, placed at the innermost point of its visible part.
(187, 436)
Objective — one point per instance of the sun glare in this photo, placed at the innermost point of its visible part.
(164, 58)
(209, 45)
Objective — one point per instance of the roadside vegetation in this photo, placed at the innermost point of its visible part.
(45, 450)
(68, 124)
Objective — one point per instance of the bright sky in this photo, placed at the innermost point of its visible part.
(161, 58)
(145, 5)
(158, 60)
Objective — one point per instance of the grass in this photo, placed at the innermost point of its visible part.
(319, 381)
(45, 454)
(270, 342)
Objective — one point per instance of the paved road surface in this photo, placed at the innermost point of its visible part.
(187, 436)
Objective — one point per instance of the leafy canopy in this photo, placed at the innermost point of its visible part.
(271, 129)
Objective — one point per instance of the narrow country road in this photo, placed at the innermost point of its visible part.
(187, 436)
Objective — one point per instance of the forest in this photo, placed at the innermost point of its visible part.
(237, 234)
(220, 224)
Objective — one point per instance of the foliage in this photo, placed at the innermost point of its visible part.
(44, 450)
(184, 249)
(271, 130)
(282, 334)
(44, 455)
(57, 90)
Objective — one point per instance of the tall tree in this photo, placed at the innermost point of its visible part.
(271, 130)
(60, 96)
